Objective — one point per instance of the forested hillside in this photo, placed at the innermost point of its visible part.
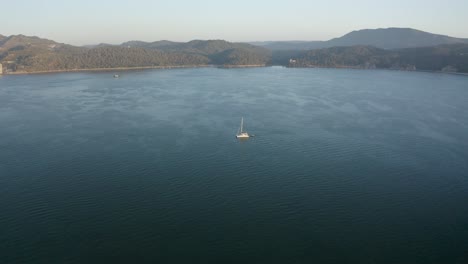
(31, 54)
(449, 58)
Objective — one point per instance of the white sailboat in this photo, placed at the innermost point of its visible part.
(241, 133)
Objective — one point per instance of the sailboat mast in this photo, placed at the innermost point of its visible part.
(242, 123)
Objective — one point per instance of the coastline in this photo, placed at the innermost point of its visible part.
(242, 66)
(137, 68)
(385, 69)
(108, 69)
(215, 66)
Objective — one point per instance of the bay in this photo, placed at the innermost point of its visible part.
(346, 166)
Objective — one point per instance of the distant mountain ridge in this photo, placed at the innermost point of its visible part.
(151, 45)
(394, 38)
(22, 40)
(374, 48)
(384, 38)
(196, 46)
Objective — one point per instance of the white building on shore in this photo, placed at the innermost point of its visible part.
(1, 69)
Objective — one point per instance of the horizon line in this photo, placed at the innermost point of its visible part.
(208, 39)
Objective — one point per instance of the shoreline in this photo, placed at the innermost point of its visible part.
(212, 66)
(382, 69)
(108, 69)
(136, 68)
(241, 66)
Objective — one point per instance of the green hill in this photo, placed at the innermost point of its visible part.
(219, 52)
(21, 53)
(452, 58)
(31, 54)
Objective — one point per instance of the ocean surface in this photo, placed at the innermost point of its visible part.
(346, 166)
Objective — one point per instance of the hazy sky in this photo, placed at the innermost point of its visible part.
(114, 21)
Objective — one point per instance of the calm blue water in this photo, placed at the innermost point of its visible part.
(347, 166)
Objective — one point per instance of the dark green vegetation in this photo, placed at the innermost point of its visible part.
(449, 58)
(219, 52)
(31, 54)
(392, 48)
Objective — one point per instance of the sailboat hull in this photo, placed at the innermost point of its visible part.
(242, 135)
